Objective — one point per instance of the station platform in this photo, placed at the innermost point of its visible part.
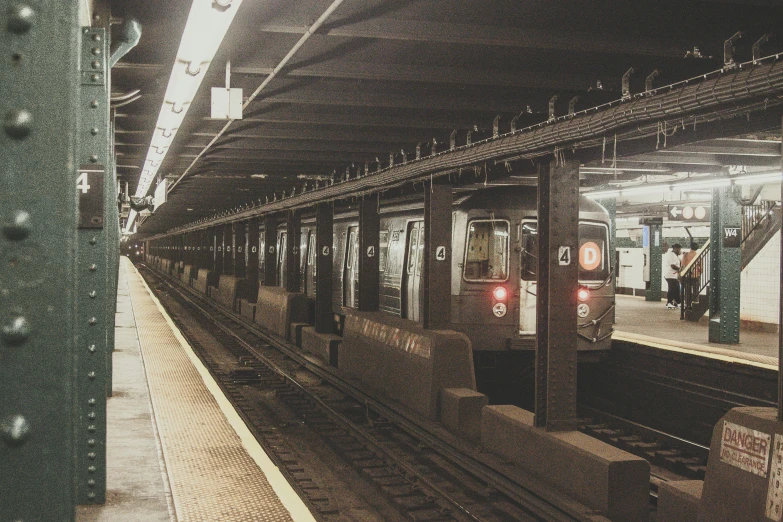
(649, 322)
(176, 449)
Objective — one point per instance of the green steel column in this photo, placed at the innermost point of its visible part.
(100, 19)
(39, 80)
(112, 243)
(92, 300)
(655, 261)
(725, 265)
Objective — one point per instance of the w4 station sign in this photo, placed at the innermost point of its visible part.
(688, 212)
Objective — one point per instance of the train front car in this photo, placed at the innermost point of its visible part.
(494, 286)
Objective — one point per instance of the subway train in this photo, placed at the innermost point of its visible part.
(494, 264)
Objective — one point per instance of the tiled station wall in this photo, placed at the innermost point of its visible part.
(760, 285)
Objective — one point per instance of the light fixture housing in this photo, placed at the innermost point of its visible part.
(207, 25)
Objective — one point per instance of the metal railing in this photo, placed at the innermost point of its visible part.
(695, 277)
(755, 217)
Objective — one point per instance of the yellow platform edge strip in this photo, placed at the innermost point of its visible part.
(701, 351)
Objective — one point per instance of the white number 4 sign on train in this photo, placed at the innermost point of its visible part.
(564, 255)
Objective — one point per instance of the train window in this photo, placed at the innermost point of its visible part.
(384, 250)
(413, 248)
(352, 248)
(486, 255)
(528, 261)
(593, 260)
(593, 256)
(311, 249)
(282, 261)
(420, 259)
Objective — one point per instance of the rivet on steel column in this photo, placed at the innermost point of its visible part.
(94, 261)
(14, 430)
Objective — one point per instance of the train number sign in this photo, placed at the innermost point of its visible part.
(89, 188)
(564, 256)
(440, 253)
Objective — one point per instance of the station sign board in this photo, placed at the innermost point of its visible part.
(89, 187)
(688, 212)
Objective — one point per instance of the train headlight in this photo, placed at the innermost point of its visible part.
(583, 294)
(499, 310)
(582, 310)
(500, 293)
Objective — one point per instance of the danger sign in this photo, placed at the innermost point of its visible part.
(745, 448)
(590, 256)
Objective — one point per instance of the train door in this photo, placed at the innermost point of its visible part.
(351, 270)
(262, 255)
(528, 270)
(309, 275)
(412, 276)
(282, 260)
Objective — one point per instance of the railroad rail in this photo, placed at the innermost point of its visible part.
(422, 470)
(676, 445)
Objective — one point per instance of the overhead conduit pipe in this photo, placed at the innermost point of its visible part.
(752, 84)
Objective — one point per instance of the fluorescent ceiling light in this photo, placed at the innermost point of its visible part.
(609, 170)
(707, 183)
(769, 177)
(207, 25)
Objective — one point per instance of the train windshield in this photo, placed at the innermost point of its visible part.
(486, 255)
(593, 256)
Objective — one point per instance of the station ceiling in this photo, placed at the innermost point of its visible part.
(383, 76)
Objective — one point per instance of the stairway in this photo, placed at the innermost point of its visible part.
(763, 222)
(759, 224)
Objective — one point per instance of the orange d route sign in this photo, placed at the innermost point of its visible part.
(589, 256)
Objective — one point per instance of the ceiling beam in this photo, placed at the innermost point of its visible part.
(730, 148)
(307, 146)
(322, 134)
(479, 35)
(435, 74)
(383, 120)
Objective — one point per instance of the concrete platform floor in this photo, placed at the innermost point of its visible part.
(176, 449)
(637, 316)
(137, 488)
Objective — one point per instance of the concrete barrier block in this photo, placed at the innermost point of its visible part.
(324, 346)
(742, 482)
(610, 480)
(276, 309)
(247, 309)
(460, 411)
(228, 289)
(188, 273)
(296, 333)
(402, 360)
(678, 501)
(201, 283)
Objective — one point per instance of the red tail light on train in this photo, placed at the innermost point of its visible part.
(500, 293)
(583, 294)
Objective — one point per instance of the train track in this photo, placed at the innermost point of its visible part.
(422, 472)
